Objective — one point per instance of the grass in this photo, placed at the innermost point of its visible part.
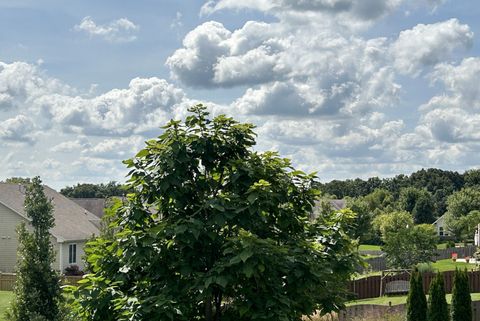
(5, 298)
(449, 265)
(366, 247)
(384, 300)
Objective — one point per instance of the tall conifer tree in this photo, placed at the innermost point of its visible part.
(461, 300)
(416, 301)
(437, 304)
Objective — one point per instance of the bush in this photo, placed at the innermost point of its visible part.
(73, 270)
(450, 244)
(425, 268)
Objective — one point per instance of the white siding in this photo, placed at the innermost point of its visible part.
(9, 221)
(80, 254)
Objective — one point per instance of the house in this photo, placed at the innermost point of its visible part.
(335, 205)
(440, 226)
(93, 205)
(73, 227)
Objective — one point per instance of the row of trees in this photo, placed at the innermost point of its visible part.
(437, 308)
(438, 183)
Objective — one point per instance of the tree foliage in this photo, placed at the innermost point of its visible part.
(101, 190)
(405, 244)
(462, 212)
(461, 309)
(419, 202)
(37, 289)
(416, 300)
(437, 303)
(215, 231)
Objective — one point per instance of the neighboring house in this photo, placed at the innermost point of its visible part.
(440, 226)
(93, 205)
(73, 227)
(335, 205)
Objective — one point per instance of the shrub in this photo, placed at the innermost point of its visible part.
(425, 267)
(461, 300)
(416, 301)
(73, 270)
(437, 304)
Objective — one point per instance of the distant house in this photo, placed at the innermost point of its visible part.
(440, 226)
(73, 227)
(335, 205)
(93, 205)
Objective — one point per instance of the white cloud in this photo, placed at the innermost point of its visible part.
(427, 45)
(17, 129)
(121, 30)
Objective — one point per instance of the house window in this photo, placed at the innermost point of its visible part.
(72, 253)
(441, 231)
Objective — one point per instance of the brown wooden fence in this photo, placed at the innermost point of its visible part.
(370, 287)
(7, 281)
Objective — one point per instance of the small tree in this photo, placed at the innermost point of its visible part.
(461, 300)
(437, 303)
(416, 301)
(37, 289)
(406, 244)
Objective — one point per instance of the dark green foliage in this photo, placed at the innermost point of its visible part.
(461, 301)
(95, 190)
(416, 300)
(437, 303)
(418, 202)
(439, 183)
(37, 288)
(215, 231)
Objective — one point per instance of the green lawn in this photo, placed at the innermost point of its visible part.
(449, 265)
(5, 298)
(384, 300)
(365, 247)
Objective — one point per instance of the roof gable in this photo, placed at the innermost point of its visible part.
(72, 222)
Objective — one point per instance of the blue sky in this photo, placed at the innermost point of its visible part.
(347, 88)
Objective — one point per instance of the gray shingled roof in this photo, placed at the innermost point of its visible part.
(93, 205)
(72, 222)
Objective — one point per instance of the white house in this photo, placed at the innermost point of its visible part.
(440, 226)
(73, 227)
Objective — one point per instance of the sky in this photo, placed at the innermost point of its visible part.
(344, 88)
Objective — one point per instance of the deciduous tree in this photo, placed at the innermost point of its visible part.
(216, 231)
(37, 288)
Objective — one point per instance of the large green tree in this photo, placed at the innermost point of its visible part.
(419, 202)
(462, 212)
(405, 244)
(37, 288)
(216, 231)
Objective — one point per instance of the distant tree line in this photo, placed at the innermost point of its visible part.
(439, 183)
(425, 195)
(86, 190)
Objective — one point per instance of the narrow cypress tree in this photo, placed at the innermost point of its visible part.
(37, 289)
(437, 303)
(416, 301)
(461, 300)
